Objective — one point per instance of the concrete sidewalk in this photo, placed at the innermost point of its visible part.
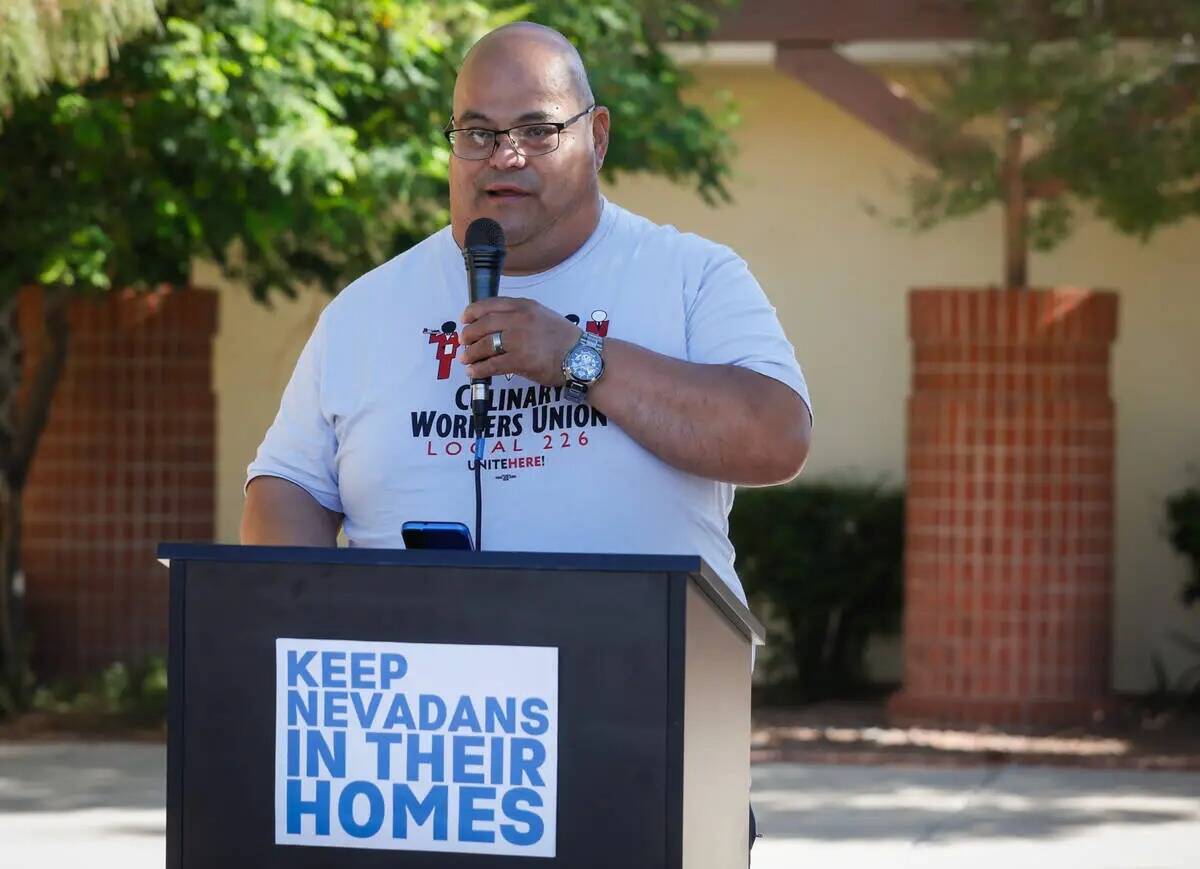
(71, 804)
(1026, 817)
(103, 803)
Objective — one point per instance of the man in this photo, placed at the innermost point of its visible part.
(698, 388)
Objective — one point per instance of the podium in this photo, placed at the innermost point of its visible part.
(367, 708)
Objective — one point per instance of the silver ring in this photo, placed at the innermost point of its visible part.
(497, 343)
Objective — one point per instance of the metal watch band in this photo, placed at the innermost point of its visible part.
(576, 390)
(592, 340)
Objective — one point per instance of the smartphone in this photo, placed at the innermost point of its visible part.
(436, 535)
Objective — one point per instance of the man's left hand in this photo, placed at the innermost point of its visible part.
(535, 339)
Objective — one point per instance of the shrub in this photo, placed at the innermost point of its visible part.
(1183, 529)
(134, 694)
(825, 561)
(1183, 519)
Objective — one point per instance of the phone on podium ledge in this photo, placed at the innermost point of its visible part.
(436, 535)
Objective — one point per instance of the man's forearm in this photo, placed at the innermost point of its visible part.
(717, 421)
(280, 513)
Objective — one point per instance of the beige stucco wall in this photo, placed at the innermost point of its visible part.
(838, 278)
(253, 355)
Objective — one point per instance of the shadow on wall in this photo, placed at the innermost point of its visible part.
(838, 803)
(67, 778)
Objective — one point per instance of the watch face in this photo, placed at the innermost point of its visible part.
(585, 364)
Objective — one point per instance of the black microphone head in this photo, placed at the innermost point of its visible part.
(485, 232)
(484, 254)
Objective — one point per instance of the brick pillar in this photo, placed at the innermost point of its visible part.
(1008, 557)
(125, 462)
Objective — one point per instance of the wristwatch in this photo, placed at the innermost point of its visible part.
(583, 366)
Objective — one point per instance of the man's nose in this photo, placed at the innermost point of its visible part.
(506, 156)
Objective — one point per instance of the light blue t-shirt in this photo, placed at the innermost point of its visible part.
(374, 420)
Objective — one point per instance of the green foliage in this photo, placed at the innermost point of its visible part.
(826, 560)
(1183, 527)
(1181, 691)
(298, 141)
(123, 693)
(43, 41)
(1114, 121)
(652, 128)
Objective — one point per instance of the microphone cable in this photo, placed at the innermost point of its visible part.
(479, 441)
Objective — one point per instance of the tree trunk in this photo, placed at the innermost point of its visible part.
(13, 646)
(11, 657)
(1016, 207)
(21, 426)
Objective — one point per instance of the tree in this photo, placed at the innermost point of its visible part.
(1062, 104)
(69, 41)
(291, 141)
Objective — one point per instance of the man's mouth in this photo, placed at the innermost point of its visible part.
(505, 191)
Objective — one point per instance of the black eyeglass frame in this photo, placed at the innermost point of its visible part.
(449, 132)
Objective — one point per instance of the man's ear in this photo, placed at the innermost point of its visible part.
(600, 125)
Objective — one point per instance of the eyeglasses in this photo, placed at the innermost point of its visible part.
(528, 140)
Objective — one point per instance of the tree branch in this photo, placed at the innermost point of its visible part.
(861, 92)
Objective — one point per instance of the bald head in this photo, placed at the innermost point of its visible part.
(528, 50)
(547, 199)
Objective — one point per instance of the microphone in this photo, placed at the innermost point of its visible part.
(483, 254)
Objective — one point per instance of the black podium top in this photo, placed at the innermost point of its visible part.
(705, 577)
